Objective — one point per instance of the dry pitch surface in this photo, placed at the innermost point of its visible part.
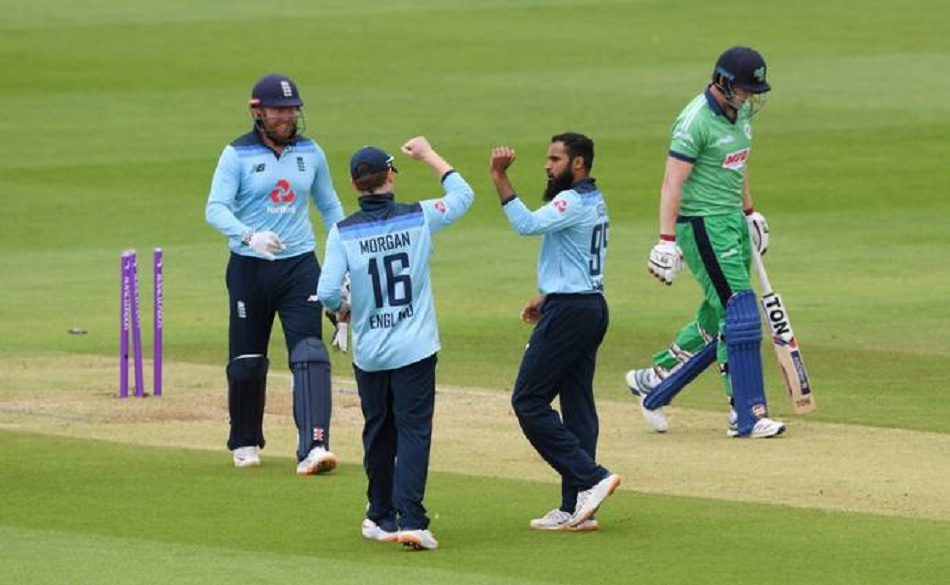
(815, 465)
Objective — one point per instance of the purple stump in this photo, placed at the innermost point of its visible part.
(125, 300)
(158, 321)
(136, 328)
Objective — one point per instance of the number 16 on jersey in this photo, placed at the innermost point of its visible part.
(785, 344)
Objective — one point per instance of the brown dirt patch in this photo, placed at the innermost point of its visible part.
(816, 465)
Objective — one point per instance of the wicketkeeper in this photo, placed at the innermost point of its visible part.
(259, 199)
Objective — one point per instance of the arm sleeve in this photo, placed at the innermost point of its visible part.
(323, 194)
(687, 141)
(559, 213)
(334, 269)
(219, 211)
(443, 212)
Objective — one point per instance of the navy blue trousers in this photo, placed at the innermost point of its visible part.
(559, 362)
(258, 291)
(261, 289)
(397, 435)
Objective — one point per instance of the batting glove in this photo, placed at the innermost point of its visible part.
(666, 261)
(265, 243)
(759, 228)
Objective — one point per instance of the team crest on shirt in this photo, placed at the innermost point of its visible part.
(747, 130)
(734, 161)
(560, 205)
(440, 207)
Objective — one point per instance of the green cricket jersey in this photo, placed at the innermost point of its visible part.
(718, 150)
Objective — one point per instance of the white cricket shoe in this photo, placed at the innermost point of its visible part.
(247, 457)
(656, 418)
(417, 539)
(374, 531)
(589, 500)
(642, 382)
(558, 519)
(763, 429)
(733, 420)
(319, 460)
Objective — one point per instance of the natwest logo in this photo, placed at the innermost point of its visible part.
(283, 193)
(736, 160)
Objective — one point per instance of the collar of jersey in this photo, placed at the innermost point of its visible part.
(713, 104)
(376, 202)
(585, 185)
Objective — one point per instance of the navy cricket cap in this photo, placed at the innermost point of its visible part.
(744, 67)
(275, 91)
(369, 160)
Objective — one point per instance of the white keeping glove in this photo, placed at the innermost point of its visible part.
(340, 339)
(345, 290)
(266, 244)
(666, 261)
(759, 228)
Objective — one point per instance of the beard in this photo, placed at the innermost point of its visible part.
(557, 184)
(281, 133)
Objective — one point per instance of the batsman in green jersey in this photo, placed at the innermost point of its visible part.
(706, 216)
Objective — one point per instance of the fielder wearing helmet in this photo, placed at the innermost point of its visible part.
(260, 199)
(275, 107)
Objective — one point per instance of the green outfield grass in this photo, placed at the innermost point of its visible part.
(115, 114)
(136, 513)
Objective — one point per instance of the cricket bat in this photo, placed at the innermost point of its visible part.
(786, 346)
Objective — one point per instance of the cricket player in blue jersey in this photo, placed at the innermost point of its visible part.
(259, 199)
(385, 247)
(570, 317)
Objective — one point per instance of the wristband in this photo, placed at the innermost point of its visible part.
(749, 211)
(667, 238)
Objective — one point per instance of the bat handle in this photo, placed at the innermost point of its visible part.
(760, 270)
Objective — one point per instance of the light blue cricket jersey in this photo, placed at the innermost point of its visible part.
(253, 189)
(386, 248)
(574, 245)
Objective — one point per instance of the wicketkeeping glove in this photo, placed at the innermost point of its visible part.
(340, 333)
(266, 244)
(340, 340)
(759, 228)
(666, 261)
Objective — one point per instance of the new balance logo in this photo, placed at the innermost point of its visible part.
(260, 168)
